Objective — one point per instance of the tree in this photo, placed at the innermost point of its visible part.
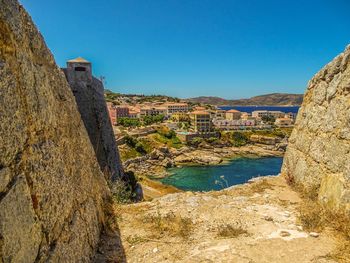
(239, 139)
(268, 119)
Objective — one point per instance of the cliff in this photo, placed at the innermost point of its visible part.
(52, 190)
(318, 153)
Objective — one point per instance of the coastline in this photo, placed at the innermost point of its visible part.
(155, 164)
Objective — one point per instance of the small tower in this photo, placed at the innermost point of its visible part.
(79, 70)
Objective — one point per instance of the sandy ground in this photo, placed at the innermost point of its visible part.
(255, 222)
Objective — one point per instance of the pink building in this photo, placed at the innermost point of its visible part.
(112, 113)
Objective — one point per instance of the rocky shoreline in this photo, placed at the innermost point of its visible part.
(156, 163)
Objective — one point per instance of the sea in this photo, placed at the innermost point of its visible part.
(217, 177)
(250, 109)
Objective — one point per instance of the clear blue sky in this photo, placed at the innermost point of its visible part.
(186, 48)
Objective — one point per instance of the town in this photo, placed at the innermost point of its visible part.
(189, 120)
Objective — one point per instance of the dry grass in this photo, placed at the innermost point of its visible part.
(231, 231)
(315, 216)
(168, 225)
(260, 186)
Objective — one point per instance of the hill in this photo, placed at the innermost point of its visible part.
(274, 99)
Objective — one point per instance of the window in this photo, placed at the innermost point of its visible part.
(80, 69)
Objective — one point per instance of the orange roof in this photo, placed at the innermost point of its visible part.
(176, 104)
(79, 60)
(198, 112)
(232, 111)
(199, 108)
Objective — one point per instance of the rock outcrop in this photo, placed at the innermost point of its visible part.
(89, 95)
(318, 154)
(52, 190)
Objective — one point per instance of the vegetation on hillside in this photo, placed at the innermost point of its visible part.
(274, 99)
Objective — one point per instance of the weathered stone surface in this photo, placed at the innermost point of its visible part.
(52, 190)
(318, 154)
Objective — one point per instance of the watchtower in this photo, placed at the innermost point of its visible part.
(79, 70)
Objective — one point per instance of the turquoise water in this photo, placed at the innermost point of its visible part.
(216, 177)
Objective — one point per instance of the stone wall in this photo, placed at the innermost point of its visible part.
(89, 95)
(318, 154)
(52, 190)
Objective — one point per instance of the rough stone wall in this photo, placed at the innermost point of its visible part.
(89, 96)
(318, 154)
(52, 190)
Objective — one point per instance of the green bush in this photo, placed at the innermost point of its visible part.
(212, 139)
(140, 148)
(148, 120)
(269, 119)
(239, 139)
(128, 122)
(130, 141)
(196, 141)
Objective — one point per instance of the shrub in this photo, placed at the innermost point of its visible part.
(140, 148)
(128, 122)
(148, 120)
(212, 139)
(239, 139)
(130, 141)
(196, 141)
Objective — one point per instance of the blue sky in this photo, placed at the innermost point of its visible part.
(187, 48)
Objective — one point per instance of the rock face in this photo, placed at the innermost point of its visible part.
(89, 95)
(52, 190)
(318, 154)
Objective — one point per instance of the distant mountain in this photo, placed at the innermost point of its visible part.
(274, 99)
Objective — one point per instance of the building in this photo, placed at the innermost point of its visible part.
(261, 113)
(220, 114)
(112, 113)
(283, 122)
(234, 124)
(180, 117)
(122, 112)
(233, 115)
(291, 115)
(88, 92)
(201, 122)
(199, 108)
(172, 108)
(134, 114)
(246, 116)
(152, 111)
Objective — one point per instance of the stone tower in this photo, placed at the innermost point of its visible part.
(79, 70)
(89, 95)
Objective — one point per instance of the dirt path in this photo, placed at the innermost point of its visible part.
(255, 222)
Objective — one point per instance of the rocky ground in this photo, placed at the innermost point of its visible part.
(256, 222)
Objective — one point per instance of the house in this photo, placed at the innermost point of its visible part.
(121, 112)
(233, 115)
(283, 122)
(112, 113)
(261, 113)
(172, 108)
(234, 124)
(152, 111)
(201, 122)
(220, 114)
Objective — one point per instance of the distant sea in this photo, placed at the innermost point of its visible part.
(250, 109)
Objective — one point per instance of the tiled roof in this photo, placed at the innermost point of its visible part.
(78, 60)
(200, 112)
